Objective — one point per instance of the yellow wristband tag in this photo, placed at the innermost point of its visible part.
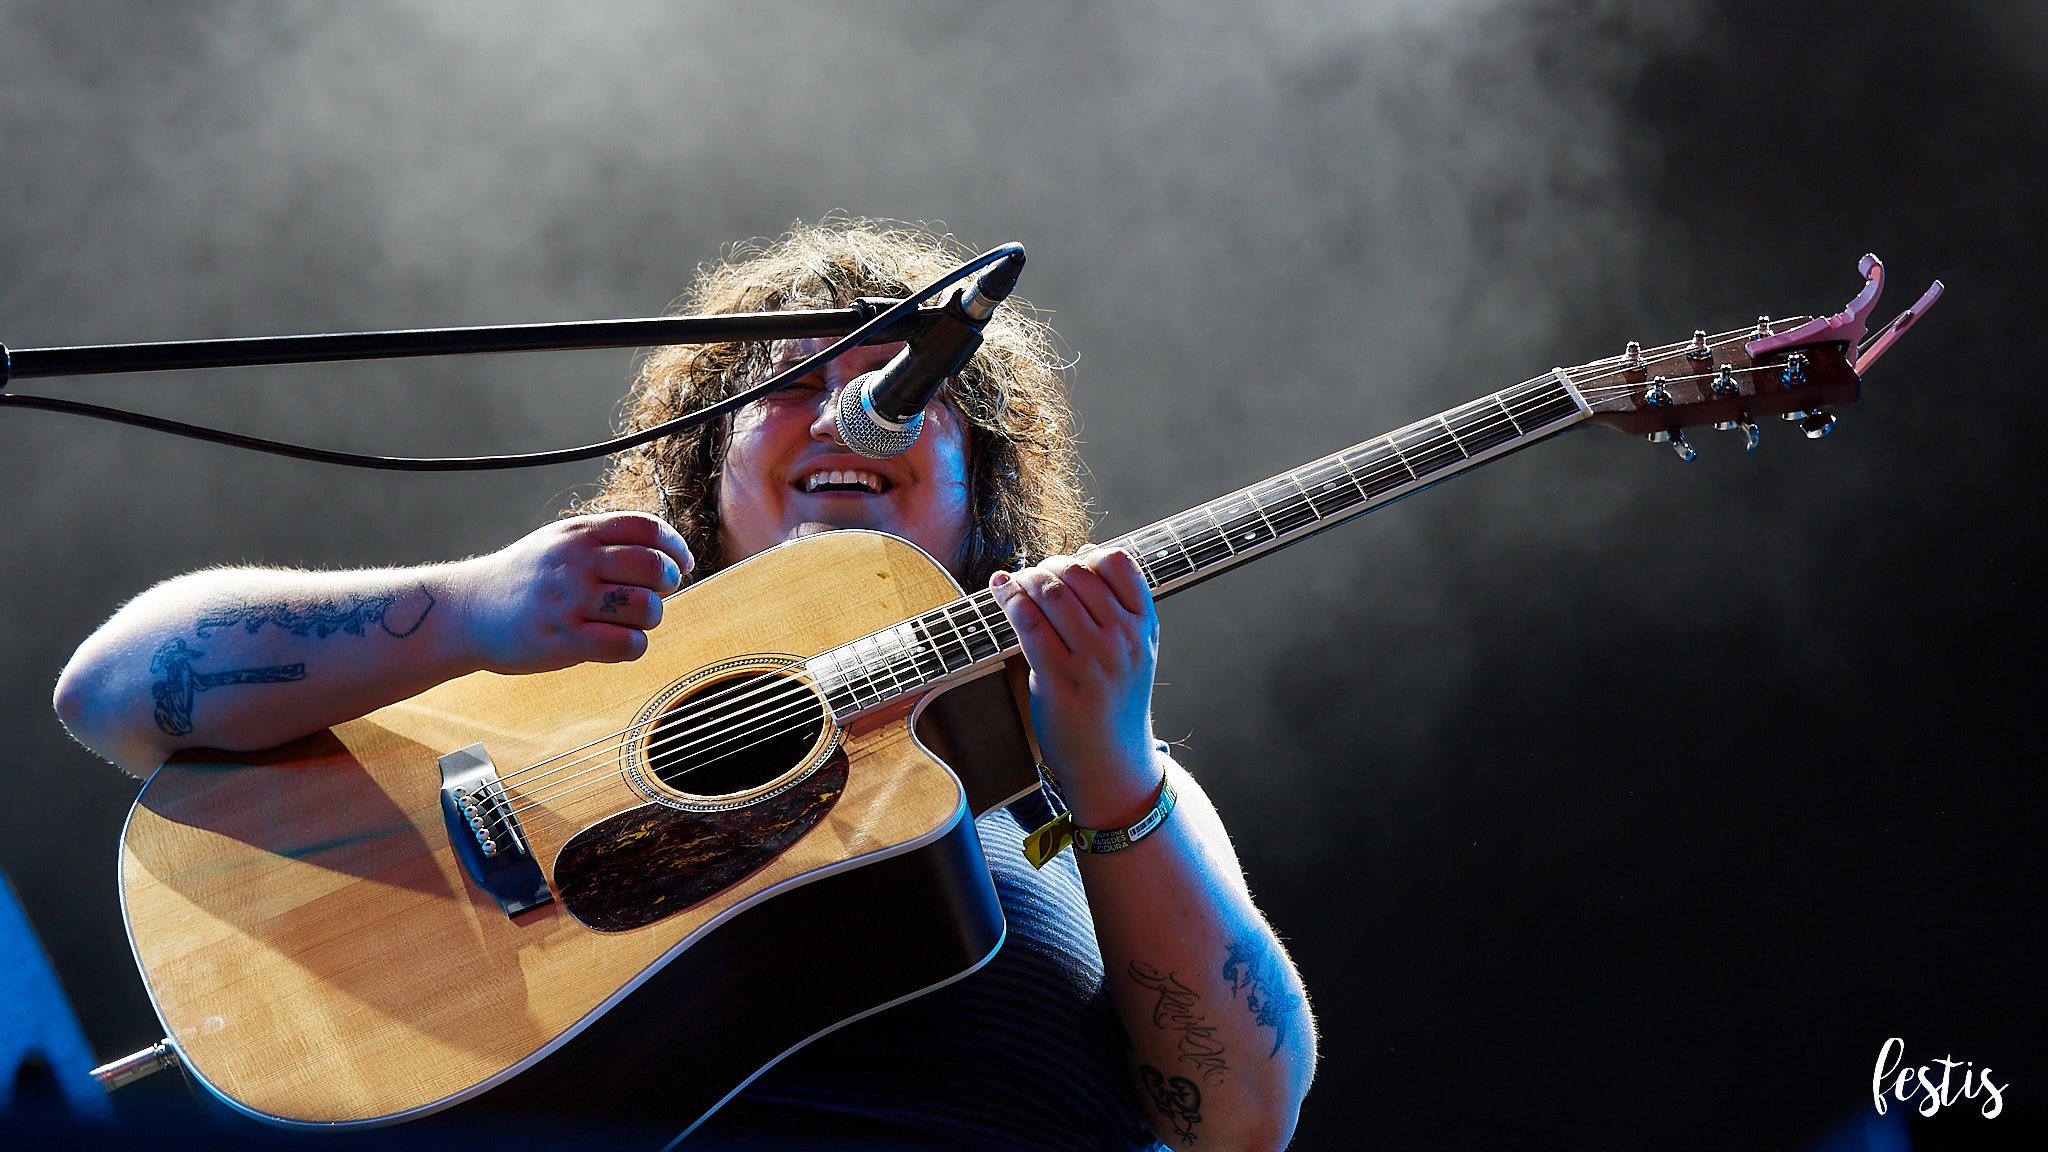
(1050, 840)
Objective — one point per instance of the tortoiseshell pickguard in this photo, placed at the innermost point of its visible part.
(654, 861)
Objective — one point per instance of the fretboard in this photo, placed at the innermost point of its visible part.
(967, 636)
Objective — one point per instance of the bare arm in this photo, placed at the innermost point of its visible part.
(1223, 1045)
(243, 658)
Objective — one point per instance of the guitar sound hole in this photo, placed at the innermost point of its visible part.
(735, 735)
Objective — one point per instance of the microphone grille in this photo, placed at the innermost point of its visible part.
(866, 433)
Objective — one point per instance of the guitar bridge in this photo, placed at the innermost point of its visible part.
(485, 832)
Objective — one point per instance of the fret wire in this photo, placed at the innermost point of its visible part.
(1181, 544)
(945, 613)
(867, 647)
(895, 656)
(1453, 434)
(1252, 499)
(1337, 462)
(925, 654)
(1403, 458)
(1509, 413)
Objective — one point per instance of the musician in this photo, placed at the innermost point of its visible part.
(1140, 994)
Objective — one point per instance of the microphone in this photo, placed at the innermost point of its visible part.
(881, 412)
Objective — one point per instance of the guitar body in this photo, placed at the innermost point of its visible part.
(319, 954)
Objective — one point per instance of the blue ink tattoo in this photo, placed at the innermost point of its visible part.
(177, 684)
(1253, 970)
(321, 619)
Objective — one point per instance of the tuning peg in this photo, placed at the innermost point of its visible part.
(1795, 370)
(1632, 357)
(1699, 350)
(1751, 434)
(1657, 395)
(1724, 383)
(1763, 328)
(1818, 425)
(1678, 442)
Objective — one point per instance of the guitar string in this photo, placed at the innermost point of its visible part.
(1652, 354)
(794, 692)
(808, 715)
(780, 690)
(805, 711)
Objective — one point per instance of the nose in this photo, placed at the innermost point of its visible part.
(825, 421)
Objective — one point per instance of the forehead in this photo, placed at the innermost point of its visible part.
(785, 353)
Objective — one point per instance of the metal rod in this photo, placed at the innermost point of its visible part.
(100, 359)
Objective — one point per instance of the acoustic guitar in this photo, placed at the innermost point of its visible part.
(655, 879)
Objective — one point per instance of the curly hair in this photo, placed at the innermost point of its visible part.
(1025, 495)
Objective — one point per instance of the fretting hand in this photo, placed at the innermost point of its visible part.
(1092, 639)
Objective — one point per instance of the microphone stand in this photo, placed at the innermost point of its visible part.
(802, 324)
(869, 320)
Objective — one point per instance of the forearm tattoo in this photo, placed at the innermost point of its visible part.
(1195, 1039)
(1176, 1097)
(175, 686)
(176, 683)
(322, 618)
(1255, 972)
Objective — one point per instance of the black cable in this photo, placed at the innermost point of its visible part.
(616, 444)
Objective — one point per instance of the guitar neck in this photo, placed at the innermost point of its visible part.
(965, 637)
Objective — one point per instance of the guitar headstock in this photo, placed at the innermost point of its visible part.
(1792, 369)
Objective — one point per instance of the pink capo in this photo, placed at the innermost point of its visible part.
(1848, 325)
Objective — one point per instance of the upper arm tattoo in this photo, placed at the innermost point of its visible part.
(1253, 969)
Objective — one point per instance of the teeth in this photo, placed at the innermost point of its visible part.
(867, 480)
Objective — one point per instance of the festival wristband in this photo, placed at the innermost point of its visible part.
(1047, 842)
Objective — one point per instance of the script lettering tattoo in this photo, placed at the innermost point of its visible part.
(1254, 971)
(614, 599)
(177, 684)
(1177, 1099)
(322, 618)
(1175, 1012)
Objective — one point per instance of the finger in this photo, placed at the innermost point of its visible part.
(1101, 604)
(1040, 640)
(645, 567)
(645, 530)
(610, 643)
(626, 604)
(1056, 600)
(1119, 570)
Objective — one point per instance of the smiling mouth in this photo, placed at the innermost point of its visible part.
(841, 480)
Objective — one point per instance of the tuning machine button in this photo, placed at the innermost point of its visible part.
(1818, 425)
(1751, 434)
(1699, 352)
(1679, 444)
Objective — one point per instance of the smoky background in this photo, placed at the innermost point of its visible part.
(1578, 787)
